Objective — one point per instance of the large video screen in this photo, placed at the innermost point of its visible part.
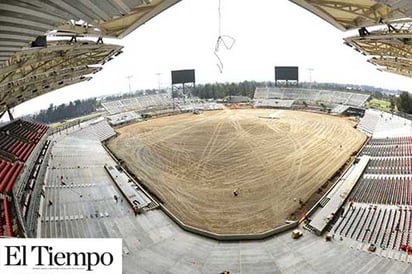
(287, 73)
(183, 76)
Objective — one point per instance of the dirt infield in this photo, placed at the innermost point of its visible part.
(194, 163)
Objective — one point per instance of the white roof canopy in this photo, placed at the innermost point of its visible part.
(30, 69)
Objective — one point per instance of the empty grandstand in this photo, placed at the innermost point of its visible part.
(373, 212)
(23, 148)
(85, 207)
(67, 185)
(76, 199)
(138, 103)
(348, 111)
(154, 105)
(123, 118)
(368, 123)
(98, 129)
(273, 103)
(85, 190)
(312, 96)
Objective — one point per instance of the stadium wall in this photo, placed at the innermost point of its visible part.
(228, 237)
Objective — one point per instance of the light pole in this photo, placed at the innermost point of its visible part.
(128, 78)
(310, 77)
(158, 80)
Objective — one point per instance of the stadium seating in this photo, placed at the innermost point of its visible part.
(30, 131)
(157, 104)
(312, 96)
(273, 103)
(391, 141)
(1, 218)
(387, 151)
(122, 118)
(100, 130)
(357, 99)
(379, 209)
(268, 93)
(7, 218)
(383, 190)
(339, 109)
(8, 175)
(137, 103)
(400, 165)
(18, 141)
(368, 122)
(385, 227)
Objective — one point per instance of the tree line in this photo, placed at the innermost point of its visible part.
(214, 91)
(66, 111)
(221, 90)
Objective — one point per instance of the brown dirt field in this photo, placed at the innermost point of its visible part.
(193, 163)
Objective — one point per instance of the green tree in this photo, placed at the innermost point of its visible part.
(404, 102)
(392, 101)
(63, 111)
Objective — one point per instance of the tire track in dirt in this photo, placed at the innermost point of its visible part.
(193, 163)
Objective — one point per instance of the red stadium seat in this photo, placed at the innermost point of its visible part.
(7, 217)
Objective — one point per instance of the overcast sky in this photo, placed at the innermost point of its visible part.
(267, 33)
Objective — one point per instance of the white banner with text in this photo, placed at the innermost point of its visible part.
(53, 256)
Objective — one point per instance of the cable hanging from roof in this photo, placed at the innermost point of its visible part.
(225, 40)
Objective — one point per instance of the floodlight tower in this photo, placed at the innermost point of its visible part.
(310, 77)
(158, 80)
(128, 78)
